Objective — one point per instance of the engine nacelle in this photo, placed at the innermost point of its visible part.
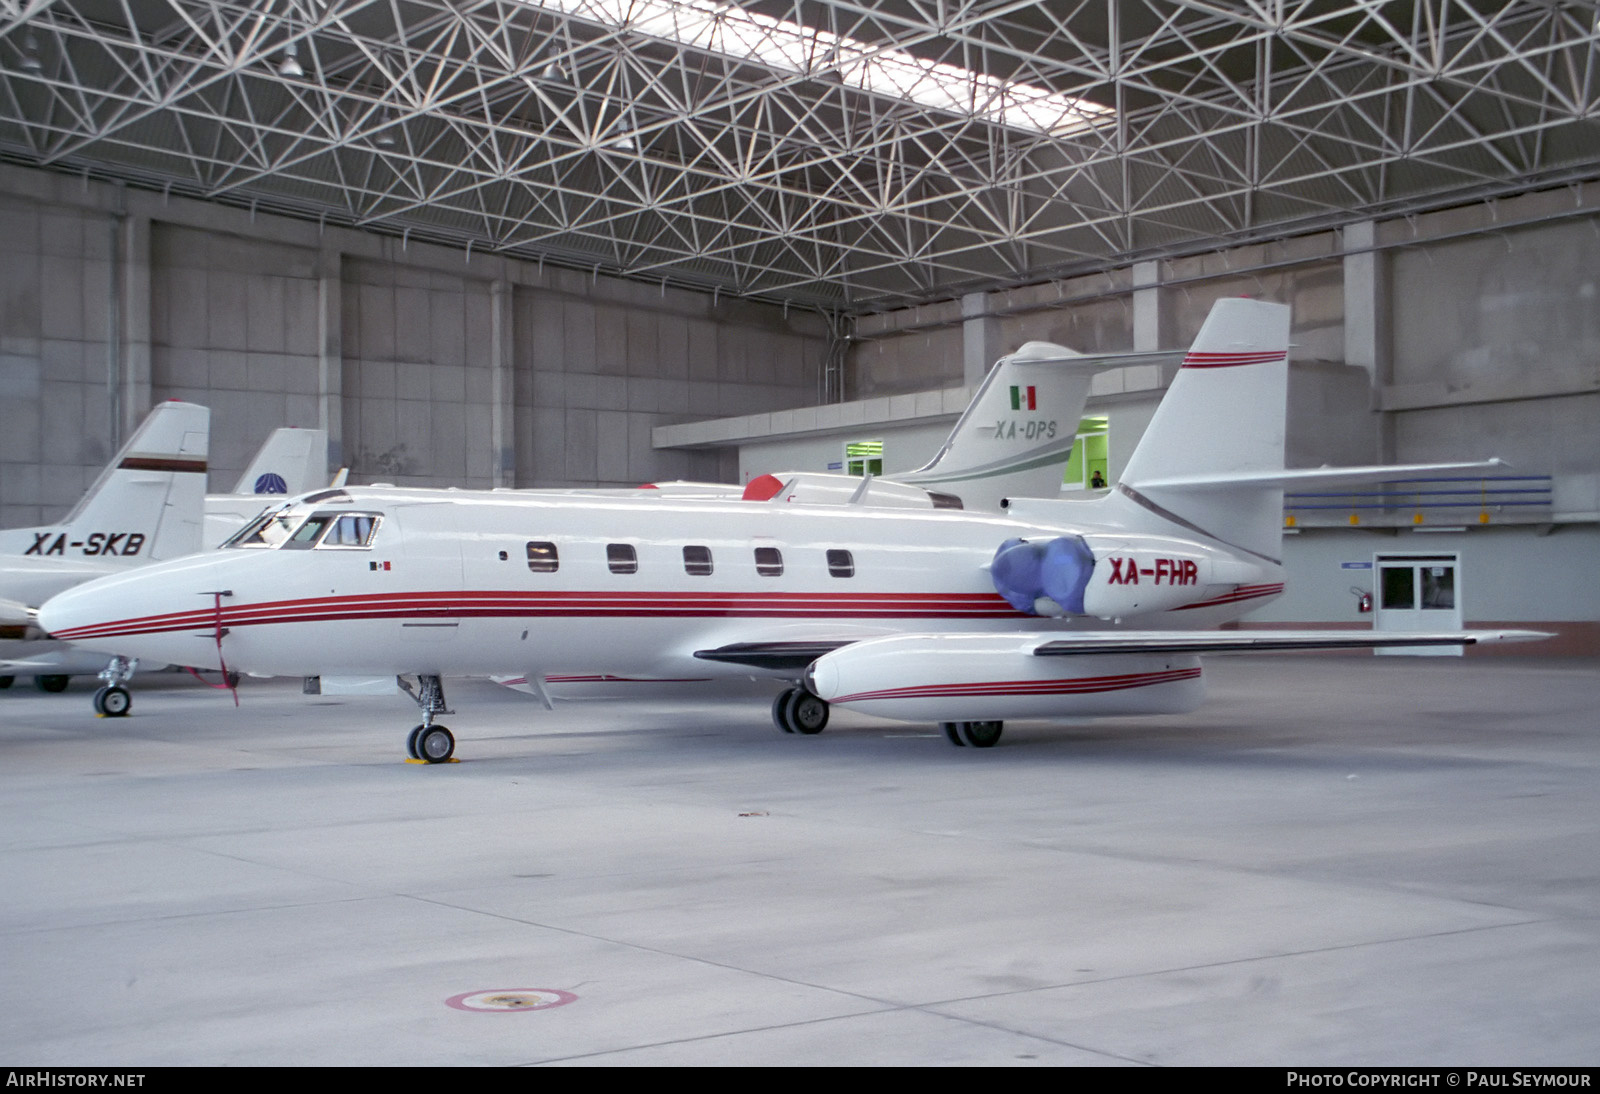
(970, 678)
(1114, 575)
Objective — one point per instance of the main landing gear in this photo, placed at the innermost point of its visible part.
(798, 711)
(113, 700)
(973, 734)
(427, 742)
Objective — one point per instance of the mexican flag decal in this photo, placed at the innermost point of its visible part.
(1022, 398)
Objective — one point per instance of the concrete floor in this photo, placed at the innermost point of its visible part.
(1335, 861)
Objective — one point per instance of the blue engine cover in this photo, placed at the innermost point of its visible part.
(1059, 569)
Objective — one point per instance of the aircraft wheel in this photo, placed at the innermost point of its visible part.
(6, 681)
(780, 709)
(952, 730)
(435, 744)
(411, 742)
(807, 713)
(114, 701)
(52, 684)
(981, 734)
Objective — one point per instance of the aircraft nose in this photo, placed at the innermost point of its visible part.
(72, 611)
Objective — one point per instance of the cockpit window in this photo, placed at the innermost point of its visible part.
(266, 531)
(293, 531)
(305, 537)
(349, 530)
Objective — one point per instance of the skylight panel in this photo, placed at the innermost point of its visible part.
(790, 47)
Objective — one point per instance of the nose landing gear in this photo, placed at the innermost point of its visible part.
(113, 700)
(428, 743)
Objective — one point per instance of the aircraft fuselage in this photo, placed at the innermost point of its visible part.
(464, 583)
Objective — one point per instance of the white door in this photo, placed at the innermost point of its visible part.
(433, 566)
(1417, 593)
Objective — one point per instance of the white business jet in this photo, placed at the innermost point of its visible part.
(1052, 608)
(149, 504)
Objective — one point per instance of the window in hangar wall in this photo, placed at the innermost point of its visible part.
(863, 458)
(1089, 457)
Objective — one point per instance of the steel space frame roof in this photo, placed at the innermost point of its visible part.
(602, 134)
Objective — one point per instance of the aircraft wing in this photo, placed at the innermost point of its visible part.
(797, 655)
(773, 655)
(1262, 641)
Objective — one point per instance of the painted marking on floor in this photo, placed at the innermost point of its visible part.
(511, 999)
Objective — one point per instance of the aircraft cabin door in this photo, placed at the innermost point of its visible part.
(1417, 593)
(433, 565)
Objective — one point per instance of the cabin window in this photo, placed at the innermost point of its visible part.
(769, 562)
(841, 564)
(622, 558)
(542, 557)
(349, 530)
(697, 561)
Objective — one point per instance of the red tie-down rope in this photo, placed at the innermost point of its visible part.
(216, 603)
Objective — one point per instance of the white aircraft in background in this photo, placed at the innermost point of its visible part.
(1013, 440)
(144, 507)
(290, 461)
(149, 504)
(1052, 608)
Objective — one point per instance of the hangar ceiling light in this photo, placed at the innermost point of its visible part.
(783, 45)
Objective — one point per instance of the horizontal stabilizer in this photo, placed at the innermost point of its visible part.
(1325, 476)
(1039, 353)
(1243, 641)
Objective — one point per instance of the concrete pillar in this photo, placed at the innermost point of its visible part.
(980, 338)
(1366, 318)
(502, 400)
(131, 300)
(330, 353)
(1149, 326)
(1365, 301)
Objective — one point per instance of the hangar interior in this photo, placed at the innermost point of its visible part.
(576, 242)
(547, 243)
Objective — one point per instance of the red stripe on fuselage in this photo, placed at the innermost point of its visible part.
(1243, 592)
(1072, 686)
(456, 605)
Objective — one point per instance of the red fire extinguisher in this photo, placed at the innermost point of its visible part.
(1363, 600)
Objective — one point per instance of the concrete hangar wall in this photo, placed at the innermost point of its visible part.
(1464, 334)
(427, 365)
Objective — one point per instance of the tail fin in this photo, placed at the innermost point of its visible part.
(291, 461)
(1017, 433)
(1223, 416)
(146, 504)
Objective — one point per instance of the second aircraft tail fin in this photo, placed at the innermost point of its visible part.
(292, 461)
(1017, 433)
(147, 503)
